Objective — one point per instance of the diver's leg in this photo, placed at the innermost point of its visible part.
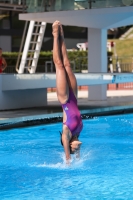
(70, 75)
(61, 80)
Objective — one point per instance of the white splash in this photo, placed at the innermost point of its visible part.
(74, 163)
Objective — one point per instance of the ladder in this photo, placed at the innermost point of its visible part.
(32, 47)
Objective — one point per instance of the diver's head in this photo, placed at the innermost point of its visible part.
(74, 144)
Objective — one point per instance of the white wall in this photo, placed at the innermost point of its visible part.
(17, 99)
(72, 43)
(5, 43)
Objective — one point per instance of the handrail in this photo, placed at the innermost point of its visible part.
(21, 45)
(56, 5)
(11, 5)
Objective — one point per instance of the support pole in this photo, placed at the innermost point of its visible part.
(97, 60)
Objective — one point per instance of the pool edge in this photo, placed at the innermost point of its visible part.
(32, 120)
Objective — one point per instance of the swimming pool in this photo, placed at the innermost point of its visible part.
(32, 164)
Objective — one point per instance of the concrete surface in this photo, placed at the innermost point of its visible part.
(116, 100)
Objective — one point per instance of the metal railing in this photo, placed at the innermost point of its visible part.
(60, 5)
(19, 2)
(121, 64)
(13, 5)
(79, 65)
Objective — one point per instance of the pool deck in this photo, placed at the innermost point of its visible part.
(118, 101)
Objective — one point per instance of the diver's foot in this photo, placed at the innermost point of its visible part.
(61, 30)
(55, 28)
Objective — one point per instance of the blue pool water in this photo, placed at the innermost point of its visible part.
(32, 164)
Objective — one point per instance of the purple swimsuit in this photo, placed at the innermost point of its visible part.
(74, 121)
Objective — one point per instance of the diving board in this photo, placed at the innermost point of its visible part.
(35, 81)
(30, 90)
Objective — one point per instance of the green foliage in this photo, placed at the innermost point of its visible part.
(78, 57)
(124, 48)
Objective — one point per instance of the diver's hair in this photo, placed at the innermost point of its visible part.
(0, 48)
(62, 142)
(61, 138)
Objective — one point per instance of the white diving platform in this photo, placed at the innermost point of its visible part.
(30, 90)
(10, 82)
(99, 18)
(98, 21)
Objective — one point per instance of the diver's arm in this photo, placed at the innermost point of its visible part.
(66, 145)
